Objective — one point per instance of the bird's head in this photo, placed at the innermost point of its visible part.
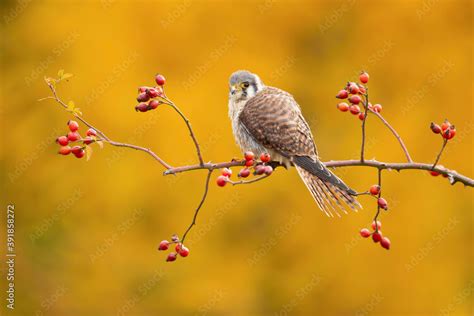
(243, 85)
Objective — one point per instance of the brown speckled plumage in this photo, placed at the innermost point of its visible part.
(267, 119)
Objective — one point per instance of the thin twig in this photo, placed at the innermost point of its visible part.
(248, 181)
(445, 142)
(105, 138)
(196, 212)
(188, 124)
(394, 132)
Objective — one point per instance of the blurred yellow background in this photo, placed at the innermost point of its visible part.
(87, 232)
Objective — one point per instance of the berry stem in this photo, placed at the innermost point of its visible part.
(445, 142)
(379, 195)
(366, 106)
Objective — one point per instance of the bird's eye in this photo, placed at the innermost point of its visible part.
(246, 84)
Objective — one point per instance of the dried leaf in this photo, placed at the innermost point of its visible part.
(100, 143)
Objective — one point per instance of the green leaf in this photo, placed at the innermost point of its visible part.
(88, 150)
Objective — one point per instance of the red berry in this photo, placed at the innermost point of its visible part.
(379, 225)
(184, 251)
(152, 92)
(171, 257)
(385, 242)
(160, 80)
(88, 140)
(376, 237)
(434, 173)
(362, 89)
(64, 150)
(164, 245)
(354, 109)
(249, 163)
(80, 153)
(221, 181)
(364, 77)
(91, 132)
(62, 140)
(259, 169)
(153, 104)
(76, 150)
(353, 88)
(364, 232)
(244, 173)
(361, 116)
(382, 203)
(268, 170)
(226, 172)
(377, 108)
(73, 136)
(435, 128)
(354, 99)
(143, 97)
(445, 125)
(343, 107)
(142, 107)
(342, 94)
(143, 89)
(265, 157)
(449, 133)
(370, 106)
(248, 155)
(375, 189)
(73, 125)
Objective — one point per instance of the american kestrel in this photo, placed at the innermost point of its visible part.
(268, 119)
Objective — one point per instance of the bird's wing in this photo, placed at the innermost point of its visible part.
(274, 120)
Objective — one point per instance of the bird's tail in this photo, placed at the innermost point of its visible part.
(325, 187)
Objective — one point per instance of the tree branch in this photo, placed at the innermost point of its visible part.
(451, 174)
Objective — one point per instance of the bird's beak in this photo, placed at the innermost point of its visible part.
(233, 89)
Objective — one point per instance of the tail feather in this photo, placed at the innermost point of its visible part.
(328, 194)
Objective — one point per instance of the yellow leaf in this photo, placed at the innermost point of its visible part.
(60, 73)
(77, 111)
(100, 143)
(88, 150)
(71, 106)
(66, 76)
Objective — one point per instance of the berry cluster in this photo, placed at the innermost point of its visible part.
(147, 95)
(354, 92)
(180, 249)
(446, 130)
(250, 163)
(73, 136)
(376, 235)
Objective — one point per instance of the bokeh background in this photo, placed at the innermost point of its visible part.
(87, 232)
